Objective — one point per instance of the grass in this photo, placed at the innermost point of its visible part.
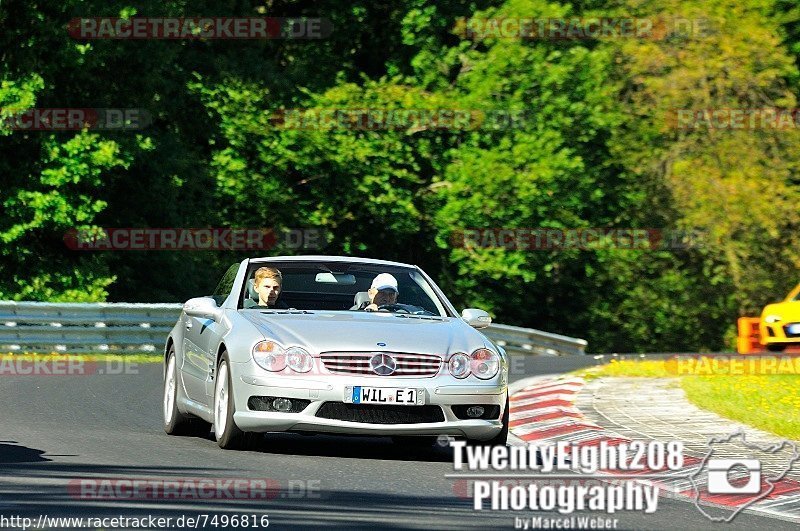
(770, 402)
(767, 402)
(645, 368)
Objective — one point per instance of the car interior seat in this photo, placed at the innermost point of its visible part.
(360, 297)
(252, 294)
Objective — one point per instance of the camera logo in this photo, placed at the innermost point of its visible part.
(725, 476)
(736, 474)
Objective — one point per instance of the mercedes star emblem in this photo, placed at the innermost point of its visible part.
(382, 364)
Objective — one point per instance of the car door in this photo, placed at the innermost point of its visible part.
(195, 360)
(201, 338)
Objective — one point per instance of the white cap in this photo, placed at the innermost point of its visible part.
(384, 281)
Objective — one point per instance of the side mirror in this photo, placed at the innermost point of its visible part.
(476, 318)
(202, 307)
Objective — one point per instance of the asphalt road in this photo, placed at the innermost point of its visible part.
(56, 430)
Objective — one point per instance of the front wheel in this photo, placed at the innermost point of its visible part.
(776, 347)
(229, 436)
(175, 422)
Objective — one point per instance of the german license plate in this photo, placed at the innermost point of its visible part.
(402, 396)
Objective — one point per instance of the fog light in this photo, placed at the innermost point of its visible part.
(282, 404)
(475, 412)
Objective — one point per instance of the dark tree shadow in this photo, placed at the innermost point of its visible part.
(14, 453)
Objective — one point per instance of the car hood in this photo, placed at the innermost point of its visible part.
(789, 311)
(365, 331)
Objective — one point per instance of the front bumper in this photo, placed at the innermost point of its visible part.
(443, 391)
(772, 333)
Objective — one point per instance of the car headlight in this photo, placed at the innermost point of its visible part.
(270, 356)
(459, 365)
(772, 319)
(298, 359)
(484, 363)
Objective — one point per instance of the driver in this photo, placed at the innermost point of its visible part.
(383, 291)
(267, 283)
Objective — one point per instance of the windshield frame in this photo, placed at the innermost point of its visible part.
(415, 273)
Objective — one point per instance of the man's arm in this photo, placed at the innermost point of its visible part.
(366, 305)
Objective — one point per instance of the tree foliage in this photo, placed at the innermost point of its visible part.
(593, 144)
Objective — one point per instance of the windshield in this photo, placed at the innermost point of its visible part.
(340, 287)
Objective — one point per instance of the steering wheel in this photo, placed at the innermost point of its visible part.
(404, 308)
(393, 308)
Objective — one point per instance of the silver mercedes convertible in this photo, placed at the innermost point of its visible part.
(326, 344)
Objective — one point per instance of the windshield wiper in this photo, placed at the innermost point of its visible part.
(423, 317)
(297, 312)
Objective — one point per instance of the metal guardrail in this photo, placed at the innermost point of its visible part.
(126, 328)
(85, 327)
(517, 340)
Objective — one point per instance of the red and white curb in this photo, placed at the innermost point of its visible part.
(543, 409)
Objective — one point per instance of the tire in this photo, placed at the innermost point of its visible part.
(501, 439)
(776, 347)
(229, 436)
(175, 422)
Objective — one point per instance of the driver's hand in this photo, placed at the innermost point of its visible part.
(372, 308)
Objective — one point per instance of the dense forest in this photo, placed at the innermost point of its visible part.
(599, 139)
